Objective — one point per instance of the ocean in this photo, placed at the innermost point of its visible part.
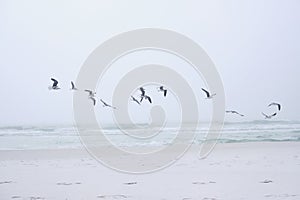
(60, 137)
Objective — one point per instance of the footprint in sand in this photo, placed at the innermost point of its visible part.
(16, 197)
(266, 181)
(117, 196)
(204, 183)
(130, 183)
(36, 198)
(5, 182)
(64, 183)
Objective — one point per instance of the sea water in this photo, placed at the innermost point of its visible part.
(57, 137)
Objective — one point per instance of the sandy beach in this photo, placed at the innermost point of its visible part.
(232, 171)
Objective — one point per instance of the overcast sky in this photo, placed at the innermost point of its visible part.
(255, 46)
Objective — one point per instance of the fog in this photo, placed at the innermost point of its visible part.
(255, 46)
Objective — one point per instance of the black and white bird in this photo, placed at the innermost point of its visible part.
(142, 91)
(275, 104)
(107, 105)
(54, 86)
(93, 99)
(208, 95)
(135, 100)
(146, 97)
(91, 93)
(73, 86)
(162, 89)
(234, 112)
(268, 116)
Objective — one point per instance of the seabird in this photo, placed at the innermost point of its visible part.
(55, 85)
(146, 97)
(73, 86)
(234, 112)
(275, 104)
(162, 89)
(142, 91)
(208, 95)
(93, 99)
(91, 93)
(107, 105)
(134, 99)
(268, 116)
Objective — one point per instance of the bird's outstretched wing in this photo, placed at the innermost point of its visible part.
(165, 92)
(274, 114)
(72, 85)
(134, 99)
(207, 93)
(55, 82)
(89, 91)
(93, 99)
(275, 104)
(149, 99)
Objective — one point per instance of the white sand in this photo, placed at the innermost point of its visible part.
(232, 171)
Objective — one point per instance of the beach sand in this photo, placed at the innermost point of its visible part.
(232, 171)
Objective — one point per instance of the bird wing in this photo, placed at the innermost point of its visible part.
(207, 93)
(149, 99)
(165, 92)
(55, 82)
(89, 91)
(104, 102)
(72, 84)
(94, 100)
(274, 114)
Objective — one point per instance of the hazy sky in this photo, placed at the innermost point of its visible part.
(254, 44)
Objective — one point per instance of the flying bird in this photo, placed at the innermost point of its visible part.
(208, 95)
(93, 99)
(275, 104)
(162, 89)
(135, 100)
(73, 86)
(91, 93)
(234, 112)
(107, 105)
(268, 116)
(146, 97)
(142, 91)
(55, 85)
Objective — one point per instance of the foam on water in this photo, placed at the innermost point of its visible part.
(54, 137)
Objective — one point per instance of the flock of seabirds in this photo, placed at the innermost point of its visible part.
(143, 96)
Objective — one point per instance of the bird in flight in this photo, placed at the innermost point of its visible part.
(73, 86)
(135, 100)
(147, 98)
(93, 99)
(162, 89)
(142, 91)
(55, 85)
(275, 104)
(91, 93)
(268, 116)
(234, 112)
(107, 105)
(208, 95)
